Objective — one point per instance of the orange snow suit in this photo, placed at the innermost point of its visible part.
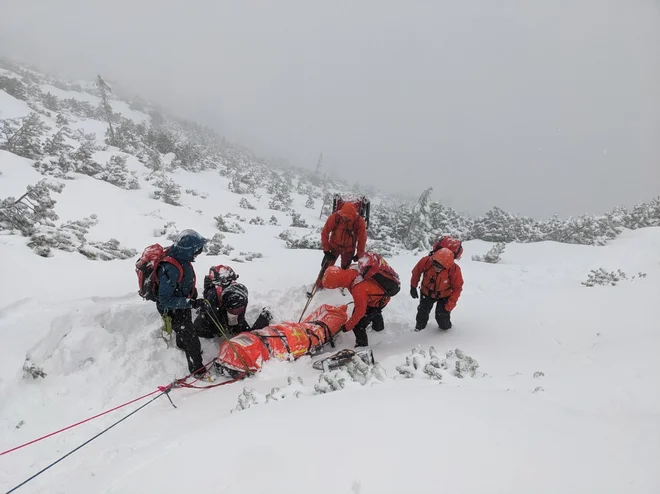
(365, 293)
(344, 232)
(448, 283)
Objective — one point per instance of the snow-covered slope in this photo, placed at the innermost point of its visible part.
(593, 427)
(566, 398)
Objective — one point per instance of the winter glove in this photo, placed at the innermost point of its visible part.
(413, 292)
(343, 329)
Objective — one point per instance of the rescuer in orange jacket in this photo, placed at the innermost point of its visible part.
(442, 282)
(368, 297)
(344, 233)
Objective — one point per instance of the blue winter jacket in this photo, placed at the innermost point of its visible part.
(171, 294)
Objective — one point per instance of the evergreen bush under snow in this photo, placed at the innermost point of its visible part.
(493, 255)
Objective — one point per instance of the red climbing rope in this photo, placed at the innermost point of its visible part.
(179, 383)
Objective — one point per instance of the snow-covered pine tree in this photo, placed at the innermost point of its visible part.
(105, 108)
(33, 209)
(83, 157)
(22, 136)
(56, 144)
(418, 233)
(51, 101)
(154, 162)
(273, 221)
(13, 87)
(116, 172)
(309, 204)
(495, 226)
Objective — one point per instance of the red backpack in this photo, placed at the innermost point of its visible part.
(451, 243)
(147, 266)
(362, 205)
(372, 266)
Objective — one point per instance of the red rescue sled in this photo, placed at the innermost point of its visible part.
(286, 341)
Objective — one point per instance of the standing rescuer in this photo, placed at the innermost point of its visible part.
(177, 295)
(345, 235)
(442, 284)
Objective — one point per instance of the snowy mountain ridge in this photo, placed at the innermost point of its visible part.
(76, 129)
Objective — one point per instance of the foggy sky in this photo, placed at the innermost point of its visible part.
(535, 106)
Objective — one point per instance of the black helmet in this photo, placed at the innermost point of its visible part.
(235, 298)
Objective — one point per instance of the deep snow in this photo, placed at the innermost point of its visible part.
(590, 424)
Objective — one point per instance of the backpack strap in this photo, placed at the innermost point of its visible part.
(177, 265)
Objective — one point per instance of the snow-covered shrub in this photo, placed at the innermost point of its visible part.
(236, 186)
(310, 240)
(354, 375)
(195, 193)
(454, 363)
(257, 221)
(227, 226)
(116, 173)
(281, 199)
(247, 256)
(167, 190)
(273, 221)
(106, 251)
(245, 204)
(602, 277)
(30, 369)
(216, 246)
(309, 204)
(297, 221)
(493, 255)
(22, 136)
(169, 230)
(68, 236)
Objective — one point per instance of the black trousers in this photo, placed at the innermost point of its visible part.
(204, 326)
(374, 316)
(186, 339)
(442, 316)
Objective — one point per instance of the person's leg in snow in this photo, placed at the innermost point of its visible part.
(182, 325)
(263, 320)
(377, 323)
(442, 316)
(373, 314)
(423, 311)
(203, 327)
(346, 259)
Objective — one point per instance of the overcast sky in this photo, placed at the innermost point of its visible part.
(536, 106)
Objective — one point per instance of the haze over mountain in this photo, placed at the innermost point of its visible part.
(537, 108)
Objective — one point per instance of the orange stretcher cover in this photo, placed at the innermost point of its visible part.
(285, 341)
